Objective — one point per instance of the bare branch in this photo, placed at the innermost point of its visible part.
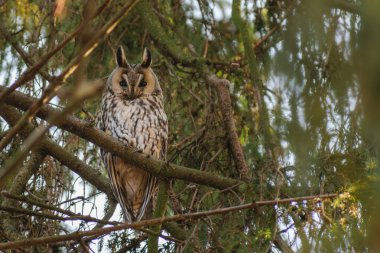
(55, 217)
(77, 235)
(43, 205)
(222, 88)
(72, 215)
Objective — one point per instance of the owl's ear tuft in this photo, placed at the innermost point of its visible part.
(147, 58)
(121, 60)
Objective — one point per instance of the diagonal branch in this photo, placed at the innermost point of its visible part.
(157, 167)
(32, 141)
(11, 115)
(32, 71)
(51, 90)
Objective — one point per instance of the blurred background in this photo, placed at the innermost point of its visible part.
(305, 93)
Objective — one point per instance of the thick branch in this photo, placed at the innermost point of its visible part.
(182, 217)
(157, 167)
(222, 88)
(30, 168)
(32, 141)
(158, 33)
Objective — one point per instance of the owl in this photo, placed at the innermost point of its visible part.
(132, 110)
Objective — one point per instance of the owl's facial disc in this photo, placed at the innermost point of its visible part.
(133, 83)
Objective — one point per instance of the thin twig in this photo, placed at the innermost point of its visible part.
(276, 27)
(70, 214)
(36, 203)
(55, 217)
(31, 72)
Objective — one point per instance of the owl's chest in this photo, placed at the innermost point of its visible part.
(140, 125)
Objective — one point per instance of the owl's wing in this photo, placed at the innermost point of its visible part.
(132, 187)
(148, 194)
(117, 186)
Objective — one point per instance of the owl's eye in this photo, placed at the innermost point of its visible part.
(142, 83)
(123, 83)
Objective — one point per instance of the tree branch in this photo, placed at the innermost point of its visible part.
(72, 215)
(55, 217)
(157, 167)
(17, 187)
(32, 71)
(222, 88)
(77, 235)
(11, 115)
(51, 90)
(50, 207)
(32, 141)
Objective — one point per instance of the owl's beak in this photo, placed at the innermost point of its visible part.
(133, 94)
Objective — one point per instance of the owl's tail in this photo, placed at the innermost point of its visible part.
(132, 187)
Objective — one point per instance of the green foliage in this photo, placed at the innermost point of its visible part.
(299, 105)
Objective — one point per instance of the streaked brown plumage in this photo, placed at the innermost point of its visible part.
(132, 110)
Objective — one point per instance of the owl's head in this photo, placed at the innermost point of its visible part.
(131, 81)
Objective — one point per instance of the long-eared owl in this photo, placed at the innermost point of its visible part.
(132, 111)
